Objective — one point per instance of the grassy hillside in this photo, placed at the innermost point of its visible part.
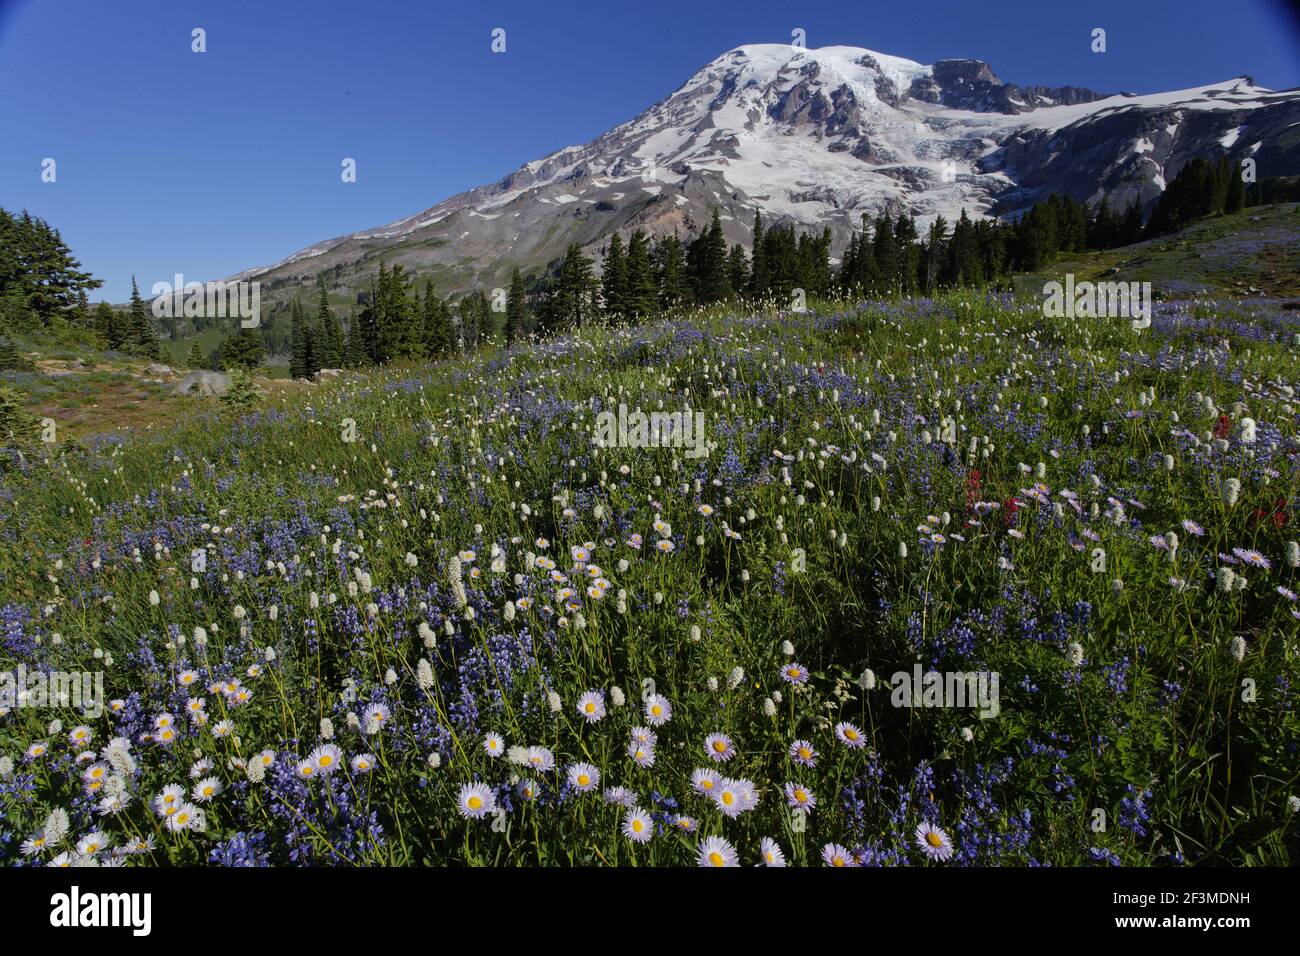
(1255, 252)
(471, 635)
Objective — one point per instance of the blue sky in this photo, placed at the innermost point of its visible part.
(205, 164)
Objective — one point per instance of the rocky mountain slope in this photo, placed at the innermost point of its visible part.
(817, 137)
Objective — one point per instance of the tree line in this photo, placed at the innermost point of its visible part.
(43, 287)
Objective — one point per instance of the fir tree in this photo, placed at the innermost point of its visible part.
(613, 279)
(195, 358)
(575, 291)
(1104, 228)
(438, 336)
(885, 251)
(1235, 198)
(242, 396)
(302, 354)
(758, 272)
(395, 333)
(516, 309)
(19, 428)
(244, 350)
(11, 360)
(141, 338)
(935, 254)
(329, 331)
(40, 279)
(640, 300)
(670, 272)
(354, 344)
(909, 253)
(109, 327)
(706, 261)
(1132, 228)
(737, 270)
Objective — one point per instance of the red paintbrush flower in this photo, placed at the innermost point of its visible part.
(1009, 509)
(1277, 515)
(973, 487)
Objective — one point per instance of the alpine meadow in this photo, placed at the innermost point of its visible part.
(848, 461)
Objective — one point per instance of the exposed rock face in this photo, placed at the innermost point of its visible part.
(204, 384)
(816, 138)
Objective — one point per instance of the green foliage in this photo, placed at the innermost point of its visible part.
(11, 360)
(243, 349)
(516, 310)
(40, 280)
(243, 396)
(19, 429)
(831, 455)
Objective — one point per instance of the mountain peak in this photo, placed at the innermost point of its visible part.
(818, 138)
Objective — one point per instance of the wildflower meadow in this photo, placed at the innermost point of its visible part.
(944, 583)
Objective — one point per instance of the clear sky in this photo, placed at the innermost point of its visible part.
(206, 164)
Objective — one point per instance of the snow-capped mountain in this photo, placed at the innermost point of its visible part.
(820, 137)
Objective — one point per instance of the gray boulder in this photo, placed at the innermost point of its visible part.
(157, 368)
(204, 384)
(325, 373)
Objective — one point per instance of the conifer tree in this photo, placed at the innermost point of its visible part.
(575, 291)
(758, 272)
(354, 344)
(109, 327)
(613, 279)
(737, 270)
(670, 272)
(909, 253)
(935, 254)
(330, 334)
(243, 349)
(707, 263)
(40, 279)
(516, 309)
(395, 333)
(1131, 229)
(11, 360)
(242, 396)
(141, 340)
(640, 277)
(302, 358)
(1235, 197)
(885, 251)
(438, 336)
